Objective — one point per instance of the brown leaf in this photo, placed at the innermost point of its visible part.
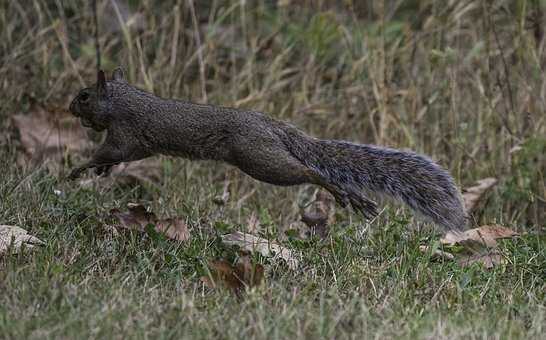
(173, 228)
(479, 245)
(147, 170)
(15, 237)
(485, 235)
(137, 218)
(47, 135)
(221, 271)
(487, 259)
(473, 195)
(320, 214)
(243, 274)
(253, 243)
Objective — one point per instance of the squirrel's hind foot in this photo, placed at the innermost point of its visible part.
(366, 207)
(357, 200)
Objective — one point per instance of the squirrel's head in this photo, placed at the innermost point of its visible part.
(93, 104)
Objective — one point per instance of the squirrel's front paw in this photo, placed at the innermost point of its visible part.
(75, 174)
(103, 170)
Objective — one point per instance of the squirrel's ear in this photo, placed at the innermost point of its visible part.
(101, 84)
(118, 75)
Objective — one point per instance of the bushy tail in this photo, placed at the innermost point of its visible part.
(356, 169)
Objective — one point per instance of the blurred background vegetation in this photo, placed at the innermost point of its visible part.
(461, 81)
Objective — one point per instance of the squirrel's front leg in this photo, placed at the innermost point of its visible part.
(103, 160)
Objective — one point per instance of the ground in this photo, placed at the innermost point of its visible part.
(462, 83)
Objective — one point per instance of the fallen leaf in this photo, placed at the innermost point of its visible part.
(488, 260)
(267, 248)
(473, 195)
(485, 235)
(15, 237)
(221, 271)
(47, 135)
(137, 218)
(437, 254)
(244, 274)
(147, 170)
(479, 244)
(320, 214)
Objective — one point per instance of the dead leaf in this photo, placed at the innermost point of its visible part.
(15, 237)
(147, 170)
(479, 244)
(244, 274)
(267, 248)
(473, 195)
(320, 214)
(485, 235)
(488, 259)
(437, 254)
(137, 218)
(48, 135)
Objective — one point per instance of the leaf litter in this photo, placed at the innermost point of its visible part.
(138, 218)
(14, 238)
(486, 235)
(147, 170)
(46, 135)
(243, 274)
(266, 248)
(477, 245)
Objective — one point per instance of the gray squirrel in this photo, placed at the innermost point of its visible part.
(140, 124)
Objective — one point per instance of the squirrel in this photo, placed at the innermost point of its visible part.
(140, 124)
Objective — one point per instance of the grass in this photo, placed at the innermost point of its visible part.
(461, 82)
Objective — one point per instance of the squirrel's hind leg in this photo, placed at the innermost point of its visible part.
(274, 165)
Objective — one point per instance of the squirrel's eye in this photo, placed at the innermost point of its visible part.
(84, 97)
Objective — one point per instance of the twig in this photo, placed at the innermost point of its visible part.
(488, 27)
(199, 51)
(506, 75)
(176, 33)
(97, 45)
(61, 35)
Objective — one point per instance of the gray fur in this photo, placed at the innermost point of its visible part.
(139, 125)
